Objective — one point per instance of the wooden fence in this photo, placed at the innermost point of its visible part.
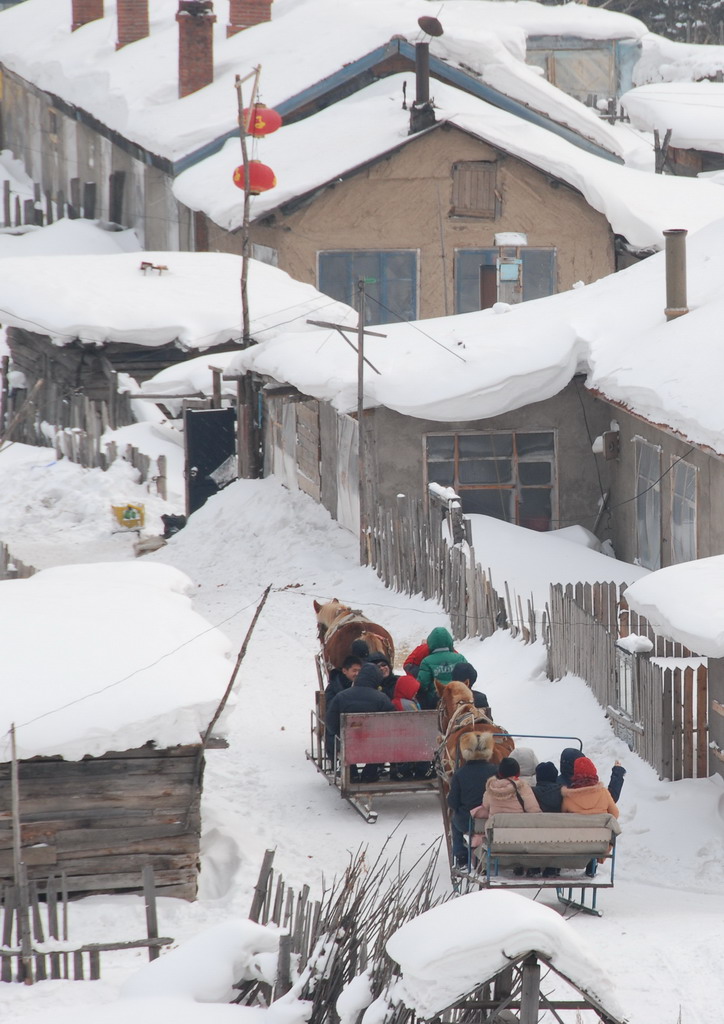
(657, 702)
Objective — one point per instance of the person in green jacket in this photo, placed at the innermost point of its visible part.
(439, 664)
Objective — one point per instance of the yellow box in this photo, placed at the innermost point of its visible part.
(130, 517)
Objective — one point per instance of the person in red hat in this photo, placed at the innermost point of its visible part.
(586, 795)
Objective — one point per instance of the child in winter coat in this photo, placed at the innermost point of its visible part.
(506, 793)
(547, 789)
(586, 795)
(438, 665)
(404, 699)
(568, 759)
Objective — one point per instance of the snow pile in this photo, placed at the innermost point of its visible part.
(664, 60)
(453, 948)
(194, 300)
(684, 602)
(134, 90)
(67, 238)
(479, 365)
(107, 656)
(638, 205)
(692, 110)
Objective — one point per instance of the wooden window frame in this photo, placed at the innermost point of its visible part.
(474, 189)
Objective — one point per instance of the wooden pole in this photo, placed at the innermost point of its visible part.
(245, 331)
(361, 449)
(149, 896)
(530, 991)
(19, 871)
(260, 889)
(237, 666)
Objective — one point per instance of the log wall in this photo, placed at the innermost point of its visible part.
(99, 821)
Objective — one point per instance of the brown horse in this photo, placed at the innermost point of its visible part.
(338, 626)
(463, 727)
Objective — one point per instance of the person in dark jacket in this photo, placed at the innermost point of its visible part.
(466, 673)
(342, 678)
(467, 787)
(570, 754)
(547, 788)
(360, 649)
(362, 696)
(439, 664)
(389, 679)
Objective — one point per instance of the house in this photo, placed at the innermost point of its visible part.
(110, 735)
(578, 407)
(106, 111)
(687, 118)
(475, 208)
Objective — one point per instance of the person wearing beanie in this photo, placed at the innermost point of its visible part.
(569, 755)
(527, 760)
(586, 795)
(439, 664)
(404, 699)
(389, 678)
(547, 788)
(507, 793)
(342, 678)
(466, 791)
(360, 649)
(466, 673)
(363, 696)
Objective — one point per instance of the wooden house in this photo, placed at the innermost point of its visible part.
(110, 735)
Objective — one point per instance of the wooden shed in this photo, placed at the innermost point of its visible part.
(100, 820)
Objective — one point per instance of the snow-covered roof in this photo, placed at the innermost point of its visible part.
(479, 365)
(663, 60)
(134, 90)
(638, 205)
(106, 657)
(195, 303)
(453, 948)
(692, 110)
(684, 602)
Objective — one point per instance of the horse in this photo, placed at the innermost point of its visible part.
(338, 626)
(463, 727)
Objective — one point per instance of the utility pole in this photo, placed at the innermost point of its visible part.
(243, 128)
(361, 361)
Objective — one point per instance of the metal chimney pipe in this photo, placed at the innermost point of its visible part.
(676, 304)
(422, 73)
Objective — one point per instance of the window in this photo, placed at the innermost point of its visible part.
(473, 189)
(478, 278)
(509, 476)
(392, 282)
(648, 503)
(683, 512)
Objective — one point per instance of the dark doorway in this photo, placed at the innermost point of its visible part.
(210, 440)
(488, 286)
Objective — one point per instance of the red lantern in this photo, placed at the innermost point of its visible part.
(261, 120)
(261, 177)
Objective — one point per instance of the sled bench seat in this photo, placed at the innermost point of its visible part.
(548, 840)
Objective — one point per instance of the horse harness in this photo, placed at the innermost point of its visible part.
(465, 715)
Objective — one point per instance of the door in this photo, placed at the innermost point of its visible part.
(210, 442)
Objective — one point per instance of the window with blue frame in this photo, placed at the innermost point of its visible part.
(391, 288)
(538, 271)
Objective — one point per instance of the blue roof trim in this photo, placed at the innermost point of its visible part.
(454, 76)
(301, 99)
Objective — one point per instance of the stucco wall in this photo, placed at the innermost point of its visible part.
(403, 202)
(397, 450)
(710, 489)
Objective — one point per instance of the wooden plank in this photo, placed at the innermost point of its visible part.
(94, 841)
(688, 752)
(149, 896)
(702, 724)
(101, 768)
(32, 856)
(676, 725)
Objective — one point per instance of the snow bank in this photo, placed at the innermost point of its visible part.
(683, 602)
(453, 948)
(692, 110)
(67, 238)
(195, 301)
(107, 656)
(663, 60)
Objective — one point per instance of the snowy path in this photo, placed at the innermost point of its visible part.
(662, 925)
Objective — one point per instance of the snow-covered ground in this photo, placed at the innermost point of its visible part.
(663, 923)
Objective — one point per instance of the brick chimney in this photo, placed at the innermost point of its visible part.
(676, 302)
(245, 13)
(132, 21)
(195, 45)
(85, 11)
